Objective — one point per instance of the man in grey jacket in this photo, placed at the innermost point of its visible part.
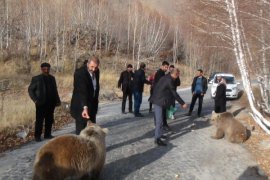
(164, 96)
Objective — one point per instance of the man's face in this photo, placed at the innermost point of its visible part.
(92, 66)
(171, 68)
(165, 68)
(45, 70)
(175, 75)
(129, 69)
(199, 73)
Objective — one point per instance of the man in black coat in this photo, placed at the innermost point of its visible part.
(159, 74)
(198, 89)
(220, 98)
(138, 86)
(177, 81)
(84, 101)
(43, 91)
(164, 96)
(125, 81)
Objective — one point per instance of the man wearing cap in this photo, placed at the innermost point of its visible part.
(84, 101)
(43, 91)
(125, 81)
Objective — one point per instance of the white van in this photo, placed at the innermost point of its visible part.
(232, 89)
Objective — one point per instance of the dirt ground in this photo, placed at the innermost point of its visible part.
(259, 146)
(259, 142)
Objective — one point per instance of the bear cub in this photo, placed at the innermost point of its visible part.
(228, 127)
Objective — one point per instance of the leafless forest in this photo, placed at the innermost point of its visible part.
(215, 35)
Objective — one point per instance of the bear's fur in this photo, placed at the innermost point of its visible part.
(229, 127)
(72, 156)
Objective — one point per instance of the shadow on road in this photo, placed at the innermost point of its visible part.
(121, 168)
(253, 173)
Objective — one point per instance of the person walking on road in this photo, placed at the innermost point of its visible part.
(138, 86)
(151, 80)
(220, 98)
(84, 101)
(177, 83)
(163, 97)
(125, 81)
(159, 74)
(198, 89)
(43, 91)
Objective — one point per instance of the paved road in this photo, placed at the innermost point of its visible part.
(131, 153)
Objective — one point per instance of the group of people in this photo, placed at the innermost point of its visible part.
(84, 102)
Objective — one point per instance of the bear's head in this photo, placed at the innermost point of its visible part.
(94, 131)
(215, 116)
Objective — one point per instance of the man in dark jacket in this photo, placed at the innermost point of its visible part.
(159, 74)
(43, 91)
(84, 101)
(198, 89)
(164, 96)
(220, 98)
(125, 81)
(138, 86)
(177, 81)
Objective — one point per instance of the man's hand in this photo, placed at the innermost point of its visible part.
(85, 113)
(184, 106)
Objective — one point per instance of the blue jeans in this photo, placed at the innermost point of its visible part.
(137, 101)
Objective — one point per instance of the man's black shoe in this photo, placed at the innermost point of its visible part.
(189, 114)
(123, 112)
(164, 137)
(159, 142)
(166, 128)
(138, 115)
(38, 139)
(48, 137)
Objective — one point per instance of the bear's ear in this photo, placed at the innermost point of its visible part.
(105, 130)
(213, 112)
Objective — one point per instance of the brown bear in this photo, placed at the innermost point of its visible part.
(72, 156)
(229, 127)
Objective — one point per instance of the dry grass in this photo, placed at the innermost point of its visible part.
(18, 110)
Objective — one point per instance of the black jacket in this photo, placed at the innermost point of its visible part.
(177, 82)
(159, 74)
(204, 84)
(83, 93)
(164, 93)
(126, 81)
(220, 98)
(37, 91)
(139, 80)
